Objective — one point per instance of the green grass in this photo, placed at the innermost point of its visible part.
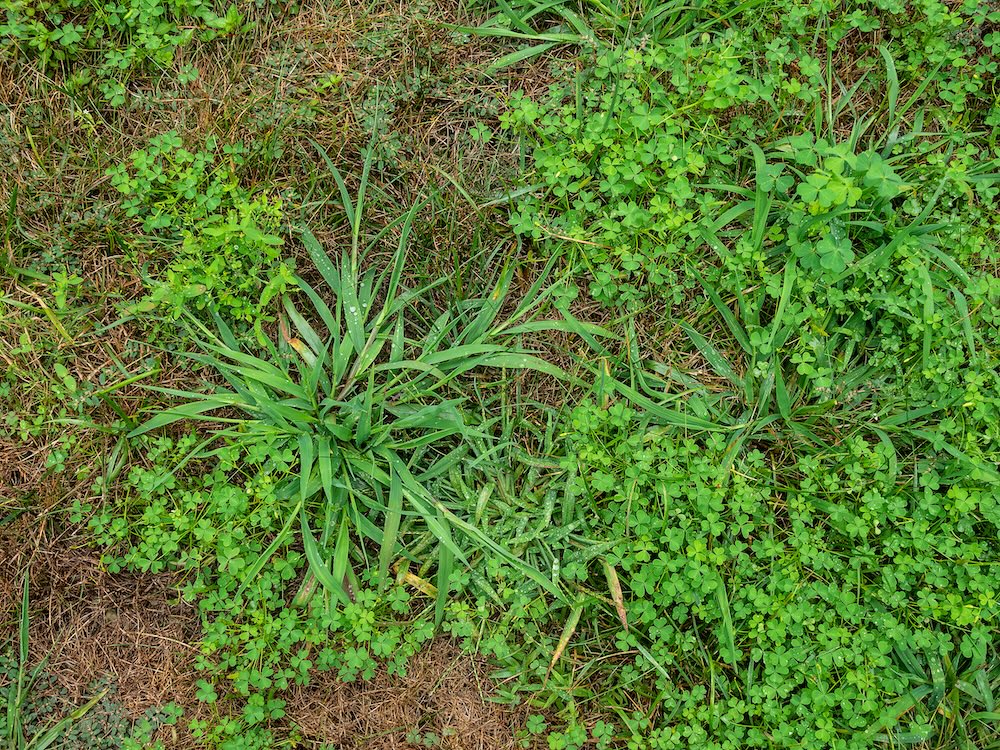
(649, 350)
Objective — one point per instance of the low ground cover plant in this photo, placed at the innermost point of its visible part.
(103, 47)
(222, 240)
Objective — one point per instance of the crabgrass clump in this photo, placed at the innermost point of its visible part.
(340, 455)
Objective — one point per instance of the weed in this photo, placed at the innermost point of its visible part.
(776, 529)
(227, 256)
(103, 46)
(821, 271)
(635, 152)
(789, 591)
(352, 434)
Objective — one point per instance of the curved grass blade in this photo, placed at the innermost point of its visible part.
(186, 411)
(45, 740)
(615, 589)
(317, 565)
(251, 573)
(569, 628)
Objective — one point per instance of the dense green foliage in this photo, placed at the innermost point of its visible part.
(819, 590)
(809, 563)
(638, 151)
(226, 255)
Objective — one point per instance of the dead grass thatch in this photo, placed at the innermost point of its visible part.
(444, 693)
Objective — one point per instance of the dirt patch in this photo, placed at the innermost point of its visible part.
(95, 626)
(444, 697)
(130, 633)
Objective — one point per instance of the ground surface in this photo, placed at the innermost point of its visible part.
(499, 374)
(130, 631)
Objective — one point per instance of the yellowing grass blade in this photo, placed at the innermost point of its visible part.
(568, 630)
(615, 587)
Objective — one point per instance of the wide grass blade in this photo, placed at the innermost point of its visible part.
(728, 631)
(615, 589)
(345, 194)
(713, 356)
(283, 536)
(446, 565)
(521, 55)
(186, 411)
(341, 552)
(496, 31)
(306, 453)
(317, 565)
(892, 90)
(320, 259)
(762, 199)
(891, 715)
(390, 528)
(16, 697)
(253, 369)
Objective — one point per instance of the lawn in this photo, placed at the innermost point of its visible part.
(494, 374)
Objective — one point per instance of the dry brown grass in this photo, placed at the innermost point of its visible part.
(133, 632)
(126, 631)
(93, 624)
(444, 692)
